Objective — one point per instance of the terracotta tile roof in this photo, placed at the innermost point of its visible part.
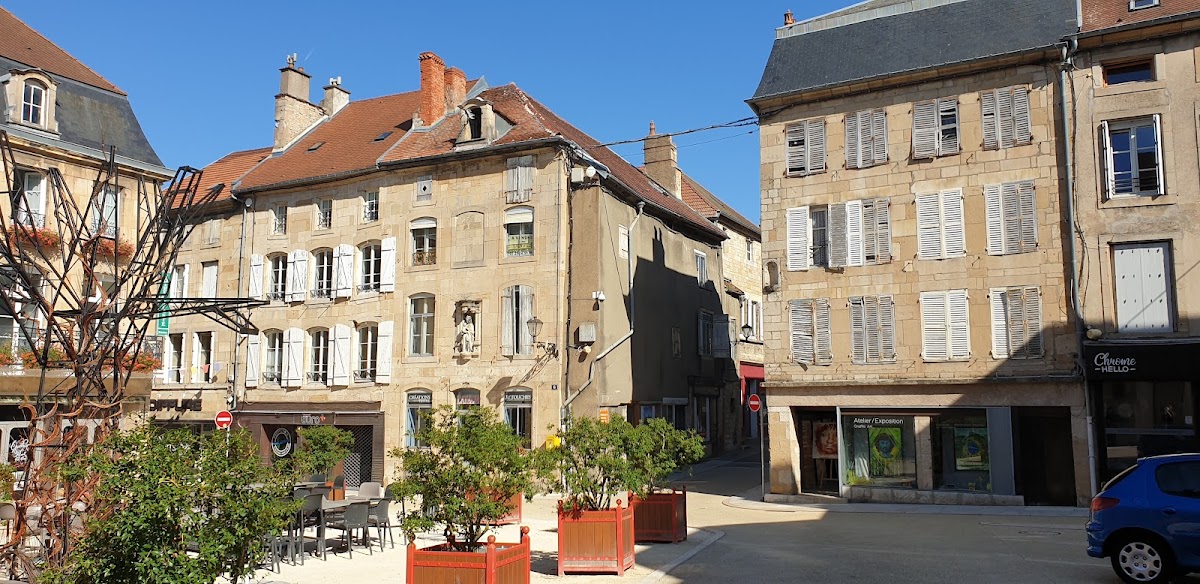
(228, 169)
(712, 207)
(21, 43)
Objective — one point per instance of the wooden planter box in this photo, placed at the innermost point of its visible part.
(595, 541)
(499, 563)
(661, 517)
(515, 506)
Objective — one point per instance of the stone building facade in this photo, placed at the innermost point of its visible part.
(920, 343)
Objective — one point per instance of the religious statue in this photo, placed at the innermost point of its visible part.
(466, 334)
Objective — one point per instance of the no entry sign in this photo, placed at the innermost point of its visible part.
(224, 419)
(754, 402)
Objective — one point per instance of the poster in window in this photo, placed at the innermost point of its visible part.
(885, 451)
(971, 449)
(825, 442)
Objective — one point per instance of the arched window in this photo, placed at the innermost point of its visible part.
(518, 228)
(465, 399)
(273, 361)
(421, 321)
(33, 103)
(424, 241)
(277, 278)
(318, 356)
(371, 267)
(322, 284)
(419, 403)
(368, 352)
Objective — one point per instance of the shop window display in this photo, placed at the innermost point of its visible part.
(961, 452)
(880, 450)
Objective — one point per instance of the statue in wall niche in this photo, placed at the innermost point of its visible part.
(466, 334)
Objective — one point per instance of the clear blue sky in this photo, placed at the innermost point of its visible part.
(202, 76)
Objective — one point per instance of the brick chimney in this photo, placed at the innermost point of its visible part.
(433, 88)
(336, 98)
(293, 112)
(456, 87)
(661, 162)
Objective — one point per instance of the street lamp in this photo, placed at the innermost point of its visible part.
(747, 331)
(534, 326)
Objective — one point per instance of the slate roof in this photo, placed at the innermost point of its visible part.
(29, 48)
(949, 32)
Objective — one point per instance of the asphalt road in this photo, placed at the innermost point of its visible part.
(834, 547)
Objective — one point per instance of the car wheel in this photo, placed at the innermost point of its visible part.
(1143, 560)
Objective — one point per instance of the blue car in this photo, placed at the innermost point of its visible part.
(1147, 519)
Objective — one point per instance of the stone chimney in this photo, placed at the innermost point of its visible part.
(661, 162)
(293, 112)
(336, 98)
(433, 88)
(456, 87)
(788, 19)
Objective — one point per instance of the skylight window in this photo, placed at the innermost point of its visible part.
(315, 146)
(383, 136)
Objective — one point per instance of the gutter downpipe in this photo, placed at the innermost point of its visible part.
(1068, 52)
(629, 270)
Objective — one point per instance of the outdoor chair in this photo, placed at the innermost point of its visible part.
(339, 488)
(322, 490)
(381, 521)
(311, 515)
(370, 490)
(356, 516)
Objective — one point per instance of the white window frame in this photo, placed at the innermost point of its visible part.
(810, 328)
(324, 210)
(752, 315)
(272, 364)
(1140, 4)
(872, 329)
(179, 281)
(518, 180)
(866, 138)
(943, 339)
(424, 189)
(519, 232)
(1112, 189)
(805, 147)
(423, 235)
(366, 345)
(318, 356)
(33, 186)
(1016, 313)
(173, 358)
(279, 219)
(1011, 217)
(701, 267)
(33, 103)
(946, 238)
(935, 128)
(421, 325)
(370, 208)
(322, 283)
(749, 250)
(104, 211)
(278, 277)
(517, 306)
(201, 354)
(370, 267)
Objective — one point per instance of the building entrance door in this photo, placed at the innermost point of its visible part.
(1047, 464)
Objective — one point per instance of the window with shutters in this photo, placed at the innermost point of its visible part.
(854, 233)
(1005, 117)
(318, 357)
(370, 205)
(424, 241)
(322, 273)
(371, 267)
(810, 327)
(279, 219)
(272, 371)
(517, 309)
(29, 203)
(872, 329)
(935, 128)
(173, 359)
(424, 192)
(945, 326)
(806, 147)
(421, 315)
(1144, 287)
(278, 275)
(704, 333)
(368, 353)
(940, 230)
(1132, 157)
(866, 138)
(1016, 322)
(324, 214)
(202, 357)
(701, 268)
(1011, 217)
(818, 219)
(209, 283)
(518, 180)
(212, 231)
(518, 231)
(179, 282)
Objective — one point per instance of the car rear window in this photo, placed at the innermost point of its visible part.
(1120, 477)
(1181, 479)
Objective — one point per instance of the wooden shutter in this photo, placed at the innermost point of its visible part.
(383, 365)
(343, 270)
(802, 330)
(289, 284)
(1027, 202)
(953, 224)
(1017, 331)
(815, 142)
(253, 358)
(510, 174)
(887, 329)
(1034, 347)
(947, 131)
(797, 147)
(721, 348)
(525, 176)
(925, 129)
(929, 226)
(1108, 176)
(871, 327)
(998, 299)
(934, 337)
(838, 237)
(1004, 117)
(1022, 131)
(1158, 152)
(854, 233)
(527, 308)
(822, 332)
(883, 230)
(256, 276)
(293, 357)
(858, 330)
(991, 126)
(853, 142)
(957, 311)
(799, 234)
(300, 273)
(387, 260)
(1011, 208)
(879, 136)
(340, 344)
(508, 315)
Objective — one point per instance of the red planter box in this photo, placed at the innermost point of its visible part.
(515, 507)
(661, 517)
(499, 563)
(595, 541)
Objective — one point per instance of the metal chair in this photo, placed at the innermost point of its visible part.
(370, 490)
(339, 488)
(382, 522)
(356, 516)
(311, 515)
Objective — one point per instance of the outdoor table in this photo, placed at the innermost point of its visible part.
(307, 485)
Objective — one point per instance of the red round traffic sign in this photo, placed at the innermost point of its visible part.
(754, 402)
(224, 419)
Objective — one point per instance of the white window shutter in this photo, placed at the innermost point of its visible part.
(953, 224)
(822, 332)
(253, 358)
(852, 141)
(343, 270)
(960, 330)
(838, 237)
(256, 277)
(929, 226)
(854, 233)
(293, 357)
(796, 161)
(934, 337)
(947, 132)
(879, 136)
(883, 230)
(871, 327)
(987, 100)
(999, 309)
(858, 330)
(1005, 131)
(1023, 133)
(1106, 162)
(1158, 151)
(1011, 207)
(187, 278)
(1018, 332)
(816, 146)
(299, 271)
(507, 326)
(802, 331)
(925, 129)
(1027, 202)
(866, 148)
(869, 225)
(340, 344)
(887, 329)
(1033, 322)
(387, 259)
(799, 236)
(721, 347)
(525, 174)
(510, 174)
(383, 367)
(527, 312)
(994, 216)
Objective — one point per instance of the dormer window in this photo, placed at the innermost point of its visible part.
(33, 103)
(34, 91)
(1139, 4)
(475, 123)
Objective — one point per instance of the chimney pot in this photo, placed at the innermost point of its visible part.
(651, 127)
(660, 160)
(788, 19)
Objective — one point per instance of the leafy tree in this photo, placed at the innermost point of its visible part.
(173, 507)
(593, 463)
(472, 466)
(320, 449)
(660, 448)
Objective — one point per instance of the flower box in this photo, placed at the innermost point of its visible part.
(661, 517)
(498, 563)
(595, 541)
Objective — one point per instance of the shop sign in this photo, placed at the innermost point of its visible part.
(311, 419)
(282, 442)
(1106, 363)
(468, 399)
(518, 397)
(179, 405)
(420, 398)
(864, 422)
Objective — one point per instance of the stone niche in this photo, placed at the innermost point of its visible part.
(466, 329)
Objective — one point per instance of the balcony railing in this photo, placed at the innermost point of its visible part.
(321, 292)
(371, 211)
(518, 196)
(325, 219)
(425, 258)
(280, 225)
(364, 375)
(271, 376)
(29, 218)
(280, 296)
(316, 376)
(369, 287)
